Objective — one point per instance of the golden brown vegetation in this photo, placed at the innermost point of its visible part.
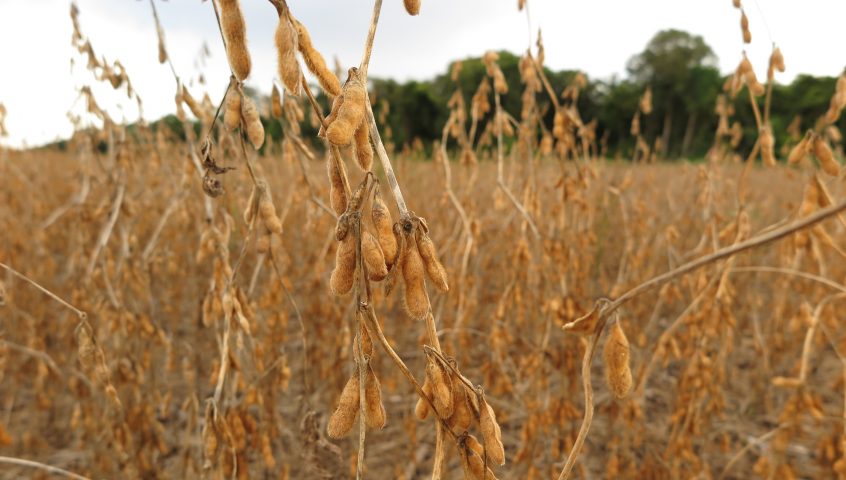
(174, 309)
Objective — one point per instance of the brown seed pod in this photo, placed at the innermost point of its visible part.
(337, 194)
(441, 386)
(363, 149)
(421, 409)
(618, 375)
(383, 222)
(744, 26)
(472, 464)
(373, 407)
(416, 299)
(798, 152)
(252, 120)
(777, 60)
(434, 269)
(462, 413)
(736, 3)
(235, 33)
(333, 114)
(350, 113)
(826, 158)
(491, 433)
(232, 114)
(343, 275)
(412, 6)
(373, 257)
(286, 50)
(275, 102)
(315, 62)
(767, 143)
(267, 213)
(343, 418)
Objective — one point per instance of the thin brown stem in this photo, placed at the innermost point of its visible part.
(79, 313)
(41, 466)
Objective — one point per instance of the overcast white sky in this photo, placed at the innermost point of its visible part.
(38, 85)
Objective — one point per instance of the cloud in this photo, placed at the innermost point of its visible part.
(597, 37)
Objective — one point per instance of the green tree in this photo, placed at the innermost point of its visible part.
(680, 67)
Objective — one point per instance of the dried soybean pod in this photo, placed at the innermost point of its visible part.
(315, 62)
(462, 415)
(473, 444)
(421, 410)
(363, 150)
(337, 194)
(232, 114)
(441, 388)
(286, 50)
(491, 433)
(351, 112)
(373, 407)
(434, 269)
(618, 375)
(416, 299)
(373, 257)
(823, 153)
(358, 196)
(412, 6)
(267, 212)
(798, 152)
(342, 419)
(383, 222)
(252, 120)
(343, 275)
(744, 25)
(473, 465)
(275, 102)
(333, 114)
(235, 32)
(767, 146)
(777, 60)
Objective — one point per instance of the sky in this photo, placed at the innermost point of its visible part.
(39, 86)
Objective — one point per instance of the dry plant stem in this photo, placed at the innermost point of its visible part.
(314, 198)
(41, 466)
(588, 417)
(368, 45)
(755, 109)
(361, 361)
(748, 447)
(306, 387)
(468, 230)
(499, 175)
(374, 328)
(371, 120)
(78, 199)
(549, 90)
(385, 161)
(655, 282)
(796, 273)
(334, 151)
(159, 27)
(47, 359)
(106, 232)
(756, 241)
(643, 376)
(79, 313)
(154, 238)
